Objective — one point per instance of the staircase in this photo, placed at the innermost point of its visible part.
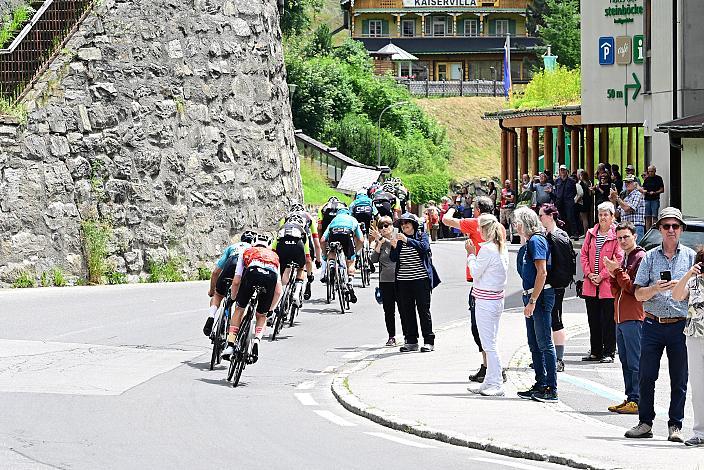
(33, 49)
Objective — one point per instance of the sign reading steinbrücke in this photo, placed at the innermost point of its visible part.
(439, 3)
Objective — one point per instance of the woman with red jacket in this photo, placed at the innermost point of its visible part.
(628, 314)
(599, 242)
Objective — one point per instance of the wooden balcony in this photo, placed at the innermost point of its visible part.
(398, 4)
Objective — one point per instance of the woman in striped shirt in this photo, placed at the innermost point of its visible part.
(490, 271)
(415, 279)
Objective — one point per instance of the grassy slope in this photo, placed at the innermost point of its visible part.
(316, 190)
(475, 143)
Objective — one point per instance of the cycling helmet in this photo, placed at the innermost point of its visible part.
(408, 217)
(248, 236)
(296, 207)
(333, 199)
(296, 219)
(343, 210)
(262, 239)
(388, 187)
(361, 193)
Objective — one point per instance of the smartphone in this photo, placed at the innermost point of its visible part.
(613, 187)
(666, 276)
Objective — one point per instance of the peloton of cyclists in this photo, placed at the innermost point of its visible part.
(345, 229)
(222, 276)
(258, 266)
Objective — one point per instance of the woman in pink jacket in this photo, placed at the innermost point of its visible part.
(600, 242)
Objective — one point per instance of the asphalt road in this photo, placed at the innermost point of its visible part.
(116, 377)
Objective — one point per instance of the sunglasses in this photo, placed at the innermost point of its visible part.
(384, 225)
(670, 226)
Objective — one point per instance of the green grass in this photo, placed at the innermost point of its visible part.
(316, 190)
(13, 22)
(24, 280)
(169, 271)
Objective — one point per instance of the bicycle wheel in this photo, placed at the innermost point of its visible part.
(340, 290)
(331, 283)
(223, 337)
(294, 313)
(240, 355)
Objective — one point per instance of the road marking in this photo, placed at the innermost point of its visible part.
(354, 354)
(306, 399)
(400, 440)
(327, 370)
(332, 417)
(507, 463)
(602, 390)
(306, 385)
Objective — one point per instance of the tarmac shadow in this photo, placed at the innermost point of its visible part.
(642, 443)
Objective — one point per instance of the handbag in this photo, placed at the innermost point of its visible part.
(578, 285)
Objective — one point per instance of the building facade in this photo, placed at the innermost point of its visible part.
(453, 39)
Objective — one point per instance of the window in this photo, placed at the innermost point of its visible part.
(471, 28)
(408, 28)
(501, 27)
(440, 26)
(442, 72)
(375, 28)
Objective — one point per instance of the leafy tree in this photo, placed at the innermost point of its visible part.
(535, 14)
(551, 88)
(320, 43)
(562, 30)
(295, 17)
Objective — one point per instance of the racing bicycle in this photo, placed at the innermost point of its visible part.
(337, 276)
(287, 306)
(218, 335)
(242, 354)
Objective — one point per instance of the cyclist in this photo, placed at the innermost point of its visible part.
(257, 267)
(313, 242)
(375, 186)
(291, 245)
(328, 212)
(404, 197)
(363, 210)
(222, 274)
(386, 202)
(345, 229)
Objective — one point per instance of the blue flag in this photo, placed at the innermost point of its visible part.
(507, 67)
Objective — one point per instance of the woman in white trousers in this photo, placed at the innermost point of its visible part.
(489, 267)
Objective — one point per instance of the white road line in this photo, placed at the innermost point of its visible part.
(354, 354)
(306, 399)
(327, 370)
(507, 463)
(330, 416)
(306, 385)
(400, 440)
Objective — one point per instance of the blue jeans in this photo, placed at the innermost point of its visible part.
(656, 338)
(539, 329)
(640, 232)
(652, 208)
(628, 336)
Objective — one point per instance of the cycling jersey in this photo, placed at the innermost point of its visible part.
(258, 256)
(364, 211)
(311, 228)
(291, 231)
(385, 203)
(328, 212)
(346, 222)
(235, 249)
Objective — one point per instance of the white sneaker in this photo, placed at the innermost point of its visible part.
(227, 353)
(475, 389)
(492, 391)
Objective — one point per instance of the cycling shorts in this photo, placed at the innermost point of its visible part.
(252, 277)
(384, 208)
(225, 279)
(345, 238)
(366, 219)
(291, 250)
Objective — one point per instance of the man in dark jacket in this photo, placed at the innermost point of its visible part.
(628, 314)
(565, 192)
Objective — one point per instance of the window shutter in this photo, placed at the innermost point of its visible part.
(428, 25)
(492, 28)
(384, 27)
(448, 21)
(365, 27)
(512, 27)
(460, 27)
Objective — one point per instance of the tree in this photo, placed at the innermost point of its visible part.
(535, 16)
(295, 17)
(562, 31)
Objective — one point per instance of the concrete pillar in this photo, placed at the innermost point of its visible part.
(589, 155)
(548, 156)
(524, 152)
(574, 150)
(534, 151)
(560, 145)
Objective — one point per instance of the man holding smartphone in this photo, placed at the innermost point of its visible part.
(663, 326)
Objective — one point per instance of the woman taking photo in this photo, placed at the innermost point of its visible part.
(600, 242)
(387, 274)
(415, 279)
(490, 270)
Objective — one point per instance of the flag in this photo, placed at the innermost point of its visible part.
(507, 67)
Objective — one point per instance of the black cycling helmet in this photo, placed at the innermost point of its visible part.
(248, 236)
(297, 207)
(333, 199)
(408, 217)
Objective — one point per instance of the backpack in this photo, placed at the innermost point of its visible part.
(562, 262)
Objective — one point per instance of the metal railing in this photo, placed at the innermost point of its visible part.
(454, 87)
(36, 45)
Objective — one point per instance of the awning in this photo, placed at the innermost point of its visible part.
(692, 126)
(397, 54)
(355, 178)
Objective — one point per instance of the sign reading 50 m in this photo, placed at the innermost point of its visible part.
(439, 3)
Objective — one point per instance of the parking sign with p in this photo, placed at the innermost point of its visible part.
(607, 50)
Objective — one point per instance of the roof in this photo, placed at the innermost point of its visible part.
(518, 113)
(396, 53)
(686, 126)
(356, 177)
(455, 45)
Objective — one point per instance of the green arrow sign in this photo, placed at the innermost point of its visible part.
(635, 86)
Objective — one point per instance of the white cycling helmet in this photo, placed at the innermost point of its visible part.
(263, 240)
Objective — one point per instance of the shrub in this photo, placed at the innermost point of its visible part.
(115, 277)
(44, 280)
(57, 277)
(24, 280)
(13, 22)
(551, 88)
(95, 239)
(204, 274)
(169, 271)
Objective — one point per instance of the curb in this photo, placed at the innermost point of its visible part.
(344, 395)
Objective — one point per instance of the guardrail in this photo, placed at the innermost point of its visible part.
(454, 87)
(36, 45)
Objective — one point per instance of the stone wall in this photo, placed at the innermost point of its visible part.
(167, 119)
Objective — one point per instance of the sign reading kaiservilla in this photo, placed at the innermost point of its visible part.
(439, 3)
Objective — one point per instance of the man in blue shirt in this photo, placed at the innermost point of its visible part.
(538, 298)
(663, 327)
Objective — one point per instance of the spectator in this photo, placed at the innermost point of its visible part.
(432, 219)
(470, 227)
(664, 324)
(616, 178)
(543, 191)
(387, 273)
(586, 208)
(493, 193)
(692, 286)
(490, 270)
(632, 207)
(526, 184)
(444, 229)
(549, 177)
(415, 280)
(549, 217)
(603, 189)
(508, 204)
(600, 242)
(631, 171)
(538, 298)
(653, 187)
(628, 314)
(565, 192)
